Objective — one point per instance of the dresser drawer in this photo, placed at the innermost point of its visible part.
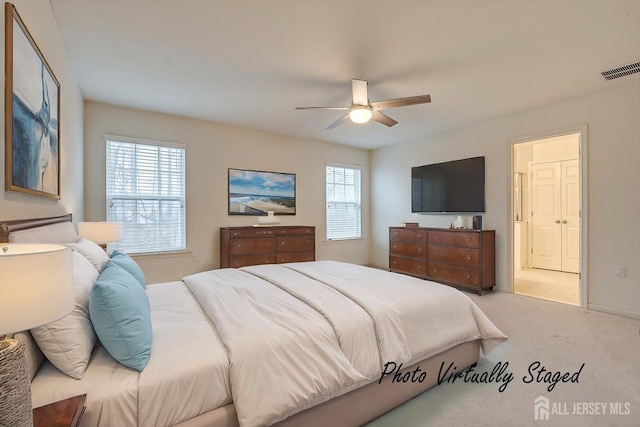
(455, 255)
(243, 261)
(455, 238)
(295, 243)
(259, 245)
(296, 257)
(453, 273)
(250, 232)
(411, 249)
(409, 266)
(295, 231)
(414, 235)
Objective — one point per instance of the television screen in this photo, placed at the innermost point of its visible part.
(456, 186)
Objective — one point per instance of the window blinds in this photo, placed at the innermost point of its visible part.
(146, 193)
(343, 203)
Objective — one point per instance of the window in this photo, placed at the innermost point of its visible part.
(343, 203)
(145, 192)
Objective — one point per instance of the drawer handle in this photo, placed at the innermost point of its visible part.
(564, 221)
(419, 267)
(466, 239)
(419, 235)
(435, 252)
(468, 257)
(436, 237)
(468, 276)
(309, 241)
(419, 250)
(268, 243)
(557, 221)
(283, 242)
(395, 246)
(395, 233)
(435, 270)
(238, 246)
(235, 234)
(394, 262)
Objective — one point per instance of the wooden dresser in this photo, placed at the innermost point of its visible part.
(241, 246)
(461, 258)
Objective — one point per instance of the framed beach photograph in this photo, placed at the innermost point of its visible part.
(257, 192)
(32, 114)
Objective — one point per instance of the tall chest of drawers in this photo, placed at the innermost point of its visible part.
(242, 246)
(461, 258)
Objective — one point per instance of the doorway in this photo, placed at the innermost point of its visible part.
(547, 218)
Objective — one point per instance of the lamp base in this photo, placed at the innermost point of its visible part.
(15, 385)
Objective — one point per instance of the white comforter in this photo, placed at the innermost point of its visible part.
(325, 328)
(187, 374)
(275, 339)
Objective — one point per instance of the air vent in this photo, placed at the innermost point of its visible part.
(625, 70)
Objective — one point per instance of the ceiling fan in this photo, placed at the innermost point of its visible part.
(362, 110)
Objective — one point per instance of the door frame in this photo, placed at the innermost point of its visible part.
(582, 130)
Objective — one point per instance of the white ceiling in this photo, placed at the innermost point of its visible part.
(250, 63)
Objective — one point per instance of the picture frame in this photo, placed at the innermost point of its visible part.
(32, 114)
(256, 193)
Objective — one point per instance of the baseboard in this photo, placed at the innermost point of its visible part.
(613, 310)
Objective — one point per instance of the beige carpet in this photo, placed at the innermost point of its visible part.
(561, 337)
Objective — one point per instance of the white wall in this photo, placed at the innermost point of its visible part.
(39, 19)
(613, 180)
(212, 149)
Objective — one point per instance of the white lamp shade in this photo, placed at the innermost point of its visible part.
(100, 232)
(36, 285)
(360, 115)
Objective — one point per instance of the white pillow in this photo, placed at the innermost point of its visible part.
(68, 342)
(91, 251)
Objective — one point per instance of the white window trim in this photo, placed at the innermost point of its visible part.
(133, 140)
(341, 165)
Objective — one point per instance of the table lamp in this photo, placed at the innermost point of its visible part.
(100, 232)
(36, 287)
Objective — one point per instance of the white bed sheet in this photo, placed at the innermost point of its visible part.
(187, 373)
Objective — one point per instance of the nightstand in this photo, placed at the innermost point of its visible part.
(65, 413)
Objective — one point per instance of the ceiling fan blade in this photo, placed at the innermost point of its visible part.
(360, 95)
(322, 108)
(337, 122)
(401, 102)
(383, 118)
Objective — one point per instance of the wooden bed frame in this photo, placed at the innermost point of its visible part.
(350, 409)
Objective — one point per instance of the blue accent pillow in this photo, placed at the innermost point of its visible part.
(132, 267)
(121, 316)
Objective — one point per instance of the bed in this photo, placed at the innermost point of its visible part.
(293, 344)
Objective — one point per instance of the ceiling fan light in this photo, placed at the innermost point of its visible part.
(360, 115)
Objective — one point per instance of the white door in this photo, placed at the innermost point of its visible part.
(555, 210)
(571, 216)
(546, 211)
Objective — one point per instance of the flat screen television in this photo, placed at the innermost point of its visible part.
(449, 187)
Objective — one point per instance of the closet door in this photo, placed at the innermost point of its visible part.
(570, 216)
(546, 210)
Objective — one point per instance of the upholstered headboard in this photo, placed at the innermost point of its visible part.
(38, 230)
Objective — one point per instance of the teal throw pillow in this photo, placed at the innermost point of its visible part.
(132, 267)
(121, 316)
